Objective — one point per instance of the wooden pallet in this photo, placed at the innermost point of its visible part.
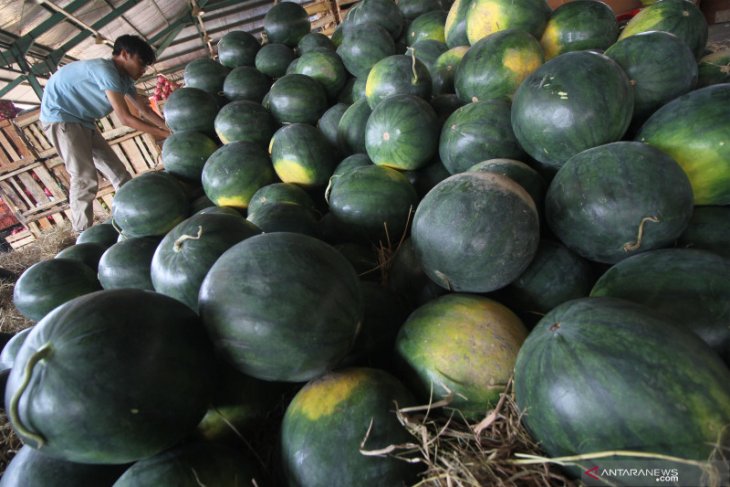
(322, 16)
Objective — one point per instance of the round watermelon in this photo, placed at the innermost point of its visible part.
(286, 23)
(205, 74)
(324, 66)
(237, 48)
(351, 129)
(330, 119)
(485, 17)
(184, 154)
(427, 26)
(707, 229)
(301, 155)
(126, 264)
(273, 59)
(280, 193)
(455, 24)
(87, 253)
(246, 83)
(297, 98)
(443, 70)
(286, 218)
(364, 45)
(245, 121)
(190, 109)
(314, 41)
(101, 233)
(380, 12)
(520, 173)
(579, 25)
(397, 75)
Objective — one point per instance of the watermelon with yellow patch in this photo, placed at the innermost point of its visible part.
(486, 17)
(578, 25)
(462, 347)
(443, 70)
(234, 172)
(495, 66)
(714, 68)
(334, 418)
(455, 25)
(302, 155)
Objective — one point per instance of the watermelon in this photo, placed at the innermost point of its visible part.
(184, 154)
(301, 155)
(455, 24)
(286, 23)
(10, 349)
(460, 348)
(693, 129)
(496, 65)
(326, 67)
(190, 109)
(347, 411)
(520, 173)
(669, 72)
(245, 121)
(402, 133)
(237, 48)
(49, 283)
(555, 275)
(445, 104)
(353, 90)
(413, 8)
(314, 41)
(397, 75)
(351, 129)
(126, 264)
(297, 98)
(234, 172)
(96, 400)
(618, 199)
(429, 25)
(293, 300)
(205, 74)
(188, 251)
(280, 193)
(425, 178)
(475, 232)
(443, 71)
(579, 25)
(381, 12)
(286, 218)
(476, 132)
(373, 202)
(573, 102)
(246, 83)
(714, 68)
(363, 45)
(686, 286)
(679, 17)
(87, 253)
(149, 205)
(329, 121)
(427, 52)
(193, 463)
(101, 233)
(708, 230)
(273, 59)
(407, 278)
(31, 467)
(674, 394)
(351, 162)
(485, 17)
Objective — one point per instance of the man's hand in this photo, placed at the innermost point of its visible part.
(153, 124)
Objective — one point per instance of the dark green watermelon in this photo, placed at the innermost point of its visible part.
(455, 24)
(49, 283)
(618, 199)
(679, 17)
(579, 25)
(126, 373)
(687, 286)
(237, 48)
(188, 251)
(297, 98)
(427, 26)
(184, 154)
(380, 12)
(351, 162)
(273, 59)
(314, 41)
(364, 45)
(475, 232)
(280, 193)
(425, 178)
(293, 300)
(519, 172)
(669, 72)
(190, 109)
(477, 132)
(149, 205)
(285, 217)
(329, 121)
(87, 253)
(708, 230)
(496, 65)
(302, 155)
(397, 75)
(351, 129)
(346, 411)
(246, 83)
(413, 8)
(326, 67)
(373, 202)
(573, 102)
(234, 172)
(126, 264)
(407, 278)
(604, 374)
(205, 74)
(402, 133)
(245, 121)
(353, 90)
(428, 51)
(286, 22)
(101, 233)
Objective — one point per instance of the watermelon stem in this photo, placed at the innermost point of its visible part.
(177, 246)
(631, 246)
(413, 65)
(14, 414)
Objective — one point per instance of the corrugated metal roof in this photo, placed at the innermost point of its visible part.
(28, 20)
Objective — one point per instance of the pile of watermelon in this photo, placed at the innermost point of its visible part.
(434, 200)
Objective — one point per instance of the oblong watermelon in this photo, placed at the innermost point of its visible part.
(693, 130)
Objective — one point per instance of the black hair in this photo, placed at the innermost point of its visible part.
(134, 45)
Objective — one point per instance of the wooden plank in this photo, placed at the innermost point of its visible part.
(35, 189)
(117, 132)
(8, 154)
(16, 138)
(24, 197)
(12, 199)
(20, 239)
(318, 7)
(50, 182)
(23, 168)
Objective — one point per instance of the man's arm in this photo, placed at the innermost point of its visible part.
(154, 125)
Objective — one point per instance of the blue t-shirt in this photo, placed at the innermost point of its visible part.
(76, 92)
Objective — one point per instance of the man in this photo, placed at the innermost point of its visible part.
(79, 94)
